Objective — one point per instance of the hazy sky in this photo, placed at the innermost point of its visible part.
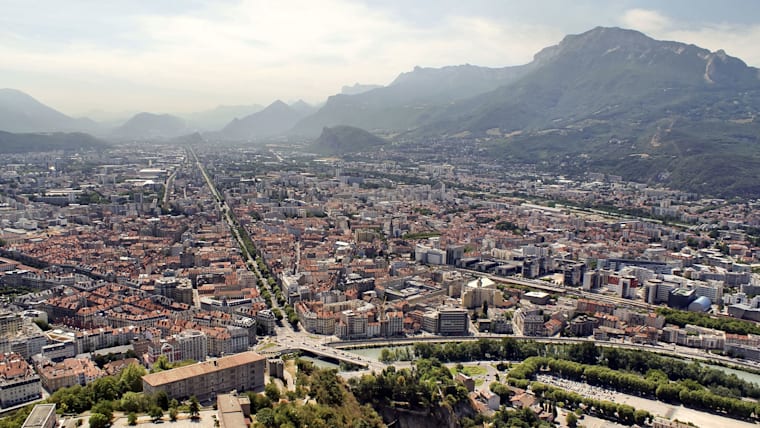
(189, 55)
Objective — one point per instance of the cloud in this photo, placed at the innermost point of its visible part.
(176, 57)
(253, 51)
(647, 21)
(738, 40)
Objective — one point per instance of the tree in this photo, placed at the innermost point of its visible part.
(385, 355)
(162, 400)
(104, 408)
(132, 418)
(195, 407)
(155, 413)
(161, 364)
(571, 419)
(584, 353)
(272, 392)
(265, 417)
(106, 388)
(130, 378)
(99, 420)
(133, 402)
(641, 416)
(258, 401)
(173, 412)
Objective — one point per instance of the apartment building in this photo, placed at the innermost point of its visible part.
(18, 382)
(192, 344)
(69, 372)
(10, 324)
(241, 372)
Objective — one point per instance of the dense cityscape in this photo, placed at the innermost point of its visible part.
(221, 264)
(363, 214)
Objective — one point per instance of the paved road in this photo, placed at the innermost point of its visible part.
(286, 328)
(168, 188)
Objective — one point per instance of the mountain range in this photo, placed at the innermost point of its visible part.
(607, 100)
(276, 119)
(19, 112)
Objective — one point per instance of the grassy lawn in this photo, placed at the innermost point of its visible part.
(267, 346)
(471, 371)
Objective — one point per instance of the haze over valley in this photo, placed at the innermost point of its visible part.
(380, 214)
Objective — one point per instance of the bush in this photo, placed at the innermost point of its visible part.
(99, 420)
(571, 419)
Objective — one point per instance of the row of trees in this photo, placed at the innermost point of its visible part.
(400, 354)
(729, 325)
(655, 383)
(269, 284)
(615, 359)
(484, 349)
(676, 370)
(622, 413)
(102, 397)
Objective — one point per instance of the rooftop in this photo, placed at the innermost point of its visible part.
(181, 373)
(40, 413)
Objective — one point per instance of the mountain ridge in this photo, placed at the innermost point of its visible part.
(42, 142)
(20, 112)
(146, 125)
(276, 119)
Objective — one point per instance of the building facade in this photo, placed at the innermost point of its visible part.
(241, 372)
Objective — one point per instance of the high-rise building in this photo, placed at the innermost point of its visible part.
(192, 344)
(453, 321)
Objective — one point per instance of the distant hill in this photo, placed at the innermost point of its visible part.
(607, 100)
(346, 139)
(20, 112)
(149, 125)
(217, 118)
(608, 73)
(303, 108)
(617, 101)
(412, 98)
(194, 138)
(358, 88)
(274, 120)
(24, 143)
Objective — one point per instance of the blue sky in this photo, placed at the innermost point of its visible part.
(189, 55)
